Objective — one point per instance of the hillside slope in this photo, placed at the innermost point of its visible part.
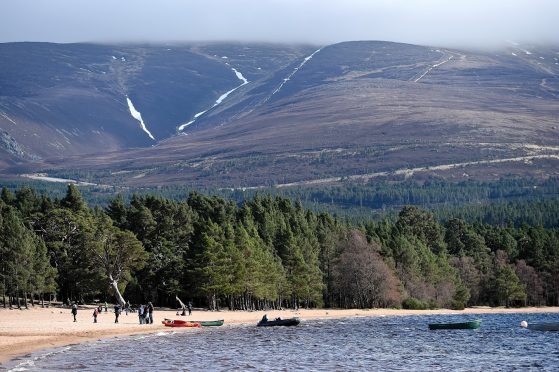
(76, 99)
(349, 111)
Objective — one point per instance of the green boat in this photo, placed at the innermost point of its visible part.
(473, 324)
(208, 323)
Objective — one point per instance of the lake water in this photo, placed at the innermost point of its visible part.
(350, 344)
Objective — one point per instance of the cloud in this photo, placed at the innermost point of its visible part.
(434, 22)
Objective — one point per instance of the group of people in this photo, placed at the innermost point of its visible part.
(145, 312)
(98, 310)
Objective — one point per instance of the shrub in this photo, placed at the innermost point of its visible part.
(411, 303)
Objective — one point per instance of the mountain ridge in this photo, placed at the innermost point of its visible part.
(339, 112)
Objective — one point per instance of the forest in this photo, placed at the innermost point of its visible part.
(513, 201)
(264, 252)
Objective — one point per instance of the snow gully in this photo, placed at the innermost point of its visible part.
(136, 115)
(295, 71)
(219, 100)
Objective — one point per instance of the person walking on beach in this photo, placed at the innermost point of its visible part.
(117, 312)
(74, 310)
(95, 313)
(189, 308)
(149, 313)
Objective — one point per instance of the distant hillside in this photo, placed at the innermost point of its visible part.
(73, 99)
(268, 115)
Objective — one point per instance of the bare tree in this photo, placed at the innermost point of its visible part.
(534, 285)
(361, 278)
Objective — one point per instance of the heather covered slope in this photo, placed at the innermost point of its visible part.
(76, 99)
(357, 111)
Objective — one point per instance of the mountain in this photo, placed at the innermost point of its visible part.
(72, 99)
(234, 115)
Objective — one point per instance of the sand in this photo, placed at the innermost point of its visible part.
(26, 331)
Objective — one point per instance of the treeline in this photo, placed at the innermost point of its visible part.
(503, 202)
(268, 252)
(431, 192)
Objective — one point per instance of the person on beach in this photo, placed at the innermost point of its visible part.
(117, 312)
(74, 310)
(189, 308)
(150, 313)
(95, 313)
(141, 314)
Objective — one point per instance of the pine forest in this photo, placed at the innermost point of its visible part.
(267, 251)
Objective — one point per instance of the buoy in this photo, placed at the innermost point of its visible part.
(524, 324)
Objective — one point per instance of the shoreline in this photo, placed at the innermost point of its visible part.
(26, 331)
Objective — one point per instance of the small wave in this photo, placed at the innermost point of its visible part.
(30, 363)
(23, 366)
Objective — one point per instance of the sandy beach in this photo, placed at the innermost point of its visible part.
(26, 331)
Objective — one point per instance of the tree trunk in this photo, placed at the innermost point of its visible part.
(119, 297)
(18, 298)
(183, 306)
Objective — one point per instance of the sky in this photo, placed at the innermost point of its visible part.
(474, 23)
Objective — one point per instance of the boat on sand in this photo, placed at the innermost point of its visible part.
(209, 323)
(179, 323)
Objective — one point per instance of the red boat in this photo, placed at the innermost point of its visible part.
(179, 323)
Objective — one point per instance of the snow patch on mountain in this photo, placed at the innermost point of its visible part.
(517, 46)
(44, 177)
(295, 70)
(219, 100)
(434, 66)
(240, 77)
(136, 115)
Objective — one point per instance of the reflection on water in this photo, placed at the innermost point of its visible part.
(380, 343)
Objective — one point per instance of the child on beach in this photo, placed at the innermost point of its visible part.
(95, 313)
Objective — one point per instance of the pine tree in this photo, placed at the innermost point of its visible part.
(73, 199)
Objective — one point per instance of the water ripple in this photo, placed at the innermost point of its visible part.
(359, 344)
